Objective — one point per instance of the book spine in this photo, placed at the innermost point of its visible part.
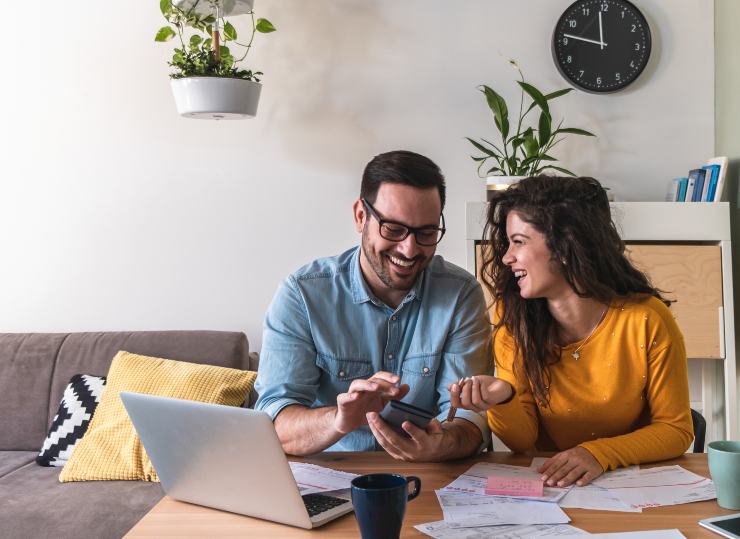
(683, 183)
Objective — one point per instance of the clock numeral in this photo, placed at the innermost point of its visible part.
(565, 41)
(604, 7)
(637, 46)
(598, 81)
(634, 27)
(586, 11)
(618, 76)
(572, 23)
(581, 71)
(632, 64)
(623, 12)
(569, 59)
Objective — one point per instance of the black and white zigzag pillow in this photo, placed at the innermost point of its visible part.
(81, 397)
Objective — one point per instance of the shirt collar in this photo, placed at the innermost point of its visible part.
(361, 293)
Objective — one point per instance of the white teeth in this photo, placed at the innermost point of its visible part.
(403, 263)
(520, 273)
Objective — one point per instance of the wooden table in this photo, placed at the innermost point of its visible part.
(170, 518)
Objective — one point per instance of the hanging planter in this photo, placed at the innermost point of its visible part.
(216, 98)
(208, 82)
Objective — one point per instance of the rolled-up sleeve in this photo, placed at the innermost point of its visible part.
(467, 352)
(287, 373)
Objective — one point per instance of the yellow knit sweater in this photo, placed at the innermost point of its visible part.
(626, 399)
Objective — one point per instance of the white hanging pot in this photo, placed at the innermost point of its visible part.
(216, 98)
(498, 183)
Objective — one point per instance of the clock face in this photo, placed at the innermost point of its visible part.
(601, 45)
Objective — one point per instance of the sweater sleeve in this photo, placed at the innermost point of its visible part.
(670, 430)
(516, 423)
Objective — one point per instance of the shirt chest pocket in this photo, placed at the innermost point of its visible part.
(344, 370)
(422, 366)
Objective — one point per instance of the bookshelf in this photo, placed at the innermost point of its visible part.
(685, 248)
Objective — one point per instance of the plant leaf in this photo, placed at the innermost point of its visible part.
(536, 96)
(560, 169)
(557, 93)
(195, 40)
(497, 104)
(575, 131)
(264, 26)
(229, 31)
(165, 6)
(494, 169)
(165, 34)
(545, 128)
(482, 148)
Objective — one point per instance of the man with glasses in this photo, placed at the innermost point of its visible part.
(386, 320)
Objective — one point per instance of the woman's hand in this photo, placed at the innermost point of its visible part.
(574, 465)
(479, 393)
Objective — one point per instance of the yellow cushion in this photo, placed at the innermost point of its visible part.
(111, 449)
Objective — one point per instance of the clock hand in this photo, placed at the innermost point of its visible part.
(601, 33)
(586, 40)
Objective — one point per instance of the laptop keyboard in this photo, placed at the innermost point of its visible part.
(318, 503)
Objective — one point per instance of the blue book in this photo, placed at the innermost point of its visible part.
(697, 175)
(713, 175)
(682, 184)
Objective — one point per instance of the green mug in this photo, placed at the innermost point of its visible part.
(724, 467)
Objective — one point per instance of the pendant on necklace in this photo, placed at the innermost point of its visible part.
(576, 355)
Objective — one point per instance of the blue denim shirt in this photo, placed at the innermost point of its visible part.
(325, 328)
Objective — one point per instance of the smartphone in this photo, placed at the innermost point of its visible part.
(396, 412)
(727, 526)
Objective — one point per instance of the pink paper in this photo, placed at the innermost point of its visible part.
(514, 486)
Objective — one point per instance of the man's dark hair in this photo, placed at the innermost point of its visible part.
(404, 167)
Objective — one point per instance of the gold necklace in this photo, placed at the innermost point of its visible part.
(575, 354)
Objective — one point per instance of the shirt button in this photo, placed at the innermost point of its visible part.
(425, 370)
(394, 317)
(341, 374)
(390, 356)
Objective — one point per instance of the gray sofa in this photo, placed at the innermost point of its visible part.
(34, 370)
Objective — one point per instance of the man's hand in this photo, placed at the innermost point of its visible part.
(435, 443)
(365, 396)
(574, 465)
(479, 393)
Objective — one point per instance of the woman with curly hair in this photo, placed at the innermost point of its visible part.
(596, 361)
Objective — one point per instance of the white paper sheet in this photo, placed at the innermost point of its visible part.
(662, 485)
(597, 498)
(651, 534)
(471, 510)
(473, 481)
(441, 530)
(312, 478)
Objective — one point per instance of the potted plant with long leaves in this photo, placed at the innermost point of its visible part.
(524, 147)
(208, 81)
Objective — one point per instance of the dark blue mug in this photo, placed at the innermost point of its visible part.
(380, 500)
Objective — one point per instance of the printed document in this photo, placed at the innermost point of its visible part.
(312, 478)
(441, 530)
(472, 510)
(474, 480)
(652, 534)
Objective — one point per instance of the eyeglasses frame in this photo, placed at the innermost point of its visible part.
(409, 229)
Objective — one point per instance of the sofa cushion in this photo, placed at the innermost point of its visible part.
(33, 503)
(12, 460)
(81, 397)
(111, 449)
(26, 369)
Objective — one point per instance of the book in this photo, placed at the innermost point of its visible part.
(710, 181)
(720, 189)
(697, 175)
(682, 184)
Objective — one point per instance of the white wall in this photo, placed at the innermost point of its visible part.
(117, 214)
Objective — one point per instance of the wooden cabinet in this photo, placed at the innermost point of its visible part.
(685, 250)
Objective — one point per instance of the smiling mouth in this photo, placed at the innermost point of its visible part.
(520, 275)
(401, 262)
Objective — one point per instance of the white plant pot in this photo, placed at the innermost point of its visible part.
(216, 98)
(498, 183)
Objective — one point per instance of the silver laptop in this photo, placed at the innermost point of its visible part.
(225, 457)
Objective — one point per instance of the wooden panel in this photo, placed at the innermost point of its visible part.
(690, 275)
(478, 266)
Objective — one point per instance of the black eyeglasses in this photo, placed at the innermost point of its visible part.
(393, 231)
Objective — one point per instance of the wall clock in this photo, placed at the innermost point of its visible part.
(601, 45)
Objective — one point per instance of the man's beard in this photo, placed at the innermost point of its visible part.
(380, 265)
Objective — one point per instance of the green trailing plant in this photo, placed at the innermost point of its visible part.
(199, 54)
(524, 147)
